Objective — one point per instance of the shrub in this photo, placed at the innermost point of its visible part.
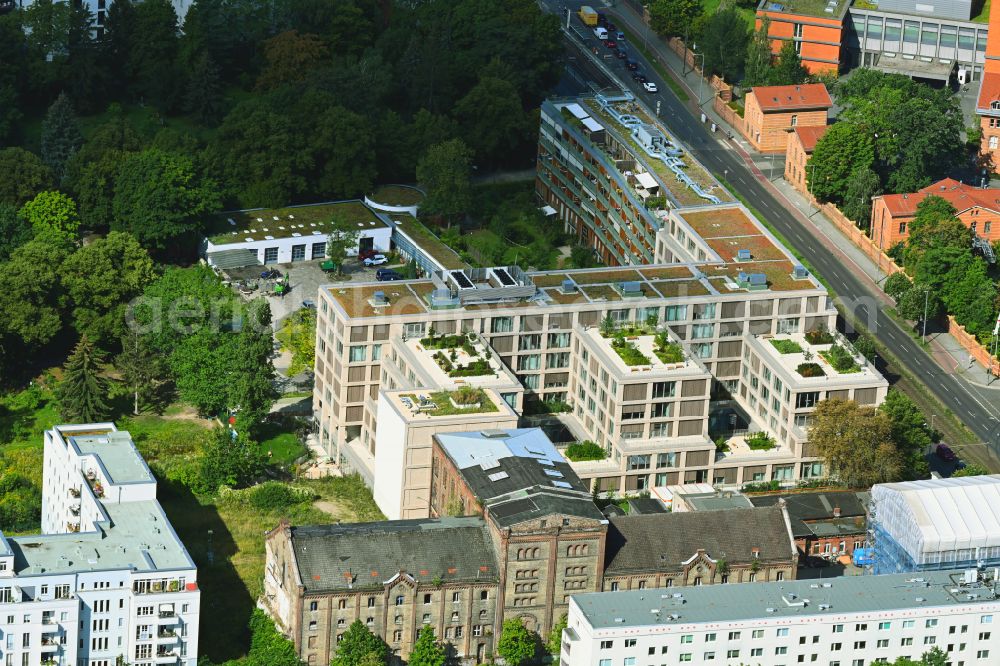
(787, 346)
(273, 496)
(841, 359)
(810, 370)
(761, 486)
(586, 450)
(628, 352)
(474, 368)
(760, 441)
(466, 395)
(670, 353)
(819, 336)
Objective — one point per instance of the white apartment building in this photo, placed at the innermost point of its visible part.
(107, 581)
(848, 621)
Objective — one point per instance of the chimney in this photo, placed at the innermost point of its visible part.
(836, 512)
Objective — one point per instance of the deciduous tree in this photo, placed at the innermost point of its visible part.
(52, 211)
(14, 231)
(298, 335)
(493, 120)
(554, 644)
(251, 388)
(229, 459)
(32, 301)
(971, 469)
(840, 152)
(897, 284)
(358, 642)
(856, 443)
(517, 645)
(83, 391)
(724, 44)
(142, 369)
(444, 171)
(909, 431)
(757, 67)
(788, 70)
(673, 18)
(290, 58)
(427, 651)
(25, 175)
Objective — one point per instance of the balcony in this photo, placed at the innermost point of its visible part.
(73, 527)
(166, 617)
(167, 636)
(74, 492)
(167, 656)
(50, 644)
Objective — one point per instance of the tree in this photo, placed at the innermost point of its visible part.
(159, 197)
(61, 136)
(554, 644)
(856, 443)
(83, 391)
(268, 647)
(896, 285)
(298, 335)
(757, 66)
(493, 120)
(839, 153)
(203, 96)
(915, 301)
(52, 211)
(935, 225)
(517, 645)
(343, 145)
(865, 345)
(788, 70)
(909, 431)
(153, 51)
(427, 651)
(120, 36)
(444, 171)
(141, 368)
(252, 386)
(100, 278)
(290, 59)
(14, 231)
(202, 364)
(673, 18)
(229, 459)
(25, 175)
(971, 469)
(724, 44)
(357, 643)
(32, 300)
(862, 185)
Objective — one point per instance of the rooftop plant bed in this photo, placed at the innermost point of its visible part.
(628, 352)
(810, 370)
(787, 346)
(760, 441)
(819, 336)
(476, 368)
(478, 402)
(667, 351)
(397, 195)
(586, 450)
(841, 360)
(434, 341)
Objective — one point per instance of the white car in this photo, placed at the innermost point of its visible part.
(376, 260)
(650, 87)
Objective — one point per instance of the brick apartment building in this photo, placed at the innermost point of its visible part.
(978, 209)
(801, 143)
(816, 30)
(824, 524)
(532, 539)
(988, 102)
(772, 112)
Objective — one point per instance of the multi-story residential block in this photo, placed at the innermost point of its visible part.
(801, 144)
(771, 112)
(977, 208)
(530, 538)
(855, 620)
(107, 581)
(934, 524)
(824, 524)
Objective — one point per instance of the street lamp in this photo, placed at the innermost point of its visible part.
(701, 74)
(927, 292)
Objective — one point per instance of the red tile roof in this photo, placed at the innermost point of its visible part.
(809, 135)
(961, 196)
(989, 90)
(788, 98)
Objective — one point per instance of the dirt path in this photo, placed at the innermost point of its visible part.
(333, 508)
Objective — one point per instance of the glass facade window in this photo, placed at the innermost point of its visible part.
(559, 339)
(502, 325)
(529, 362)
(529, 342)
(357, 353)
(910, 32)
(676, 312)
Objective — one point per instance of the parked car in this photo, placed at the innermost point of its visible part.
(309, 304)
(364, 254)
(650, 87)
(639, 76)
(387, 275)
(376, 260)
(945, 453)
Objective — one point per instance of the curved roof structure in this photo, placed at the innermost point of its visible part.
(941, 515)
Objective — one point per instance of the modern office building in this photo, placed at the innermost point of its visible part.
(816, 28)
(854, 620)
(515, 533)
(919, 526)
(107, 581)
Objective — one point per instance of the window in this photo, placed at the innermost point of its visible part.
(993, 141)
(984, 635)
(559, 339)
(781, 649)
(908, 624)
(502, 325)
(607, 645)
(795, 120)
(357, 353)
(756, 652)
(314, 606)
(709, 637)
(630, 642)
(986, 619)
(687, 638)
(732, 654)
(884, 626)
(930, 640)
(861, 626)
(604, 662)
(529, 342)
(838, 628)
(685, 656)
(835, 647)
(734, 635)
(757, 633)
(882, 643)
(859, 645)
(931, 623)
(982, 654)
(400, 600)
(782, 631)
(397, 636)
(371, 602)
(906, 642)
(709, 656)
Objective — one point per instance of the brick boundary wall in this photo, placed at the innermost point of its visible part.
(970, 344)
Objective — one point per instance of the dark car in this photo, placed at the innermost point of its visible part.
(612, 27)
(387, 275)
(621, 54)
(631, 65)
(602, 19)
(638, 76)
(945, 453)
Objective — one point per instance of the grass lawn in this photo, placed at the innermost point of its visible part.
(25, 415)
(984, 12)
(281, 441)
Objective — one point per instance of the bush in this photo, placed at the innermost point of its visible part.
(628, 352)
(810, 370)
(760, 441)
(841, 359)
(761, 486)
(787, 346)
(586, 450)
(819, 336)
(275, 496)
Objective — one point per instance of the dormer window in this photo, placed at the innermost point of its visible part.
(755, 553)
(995, 105)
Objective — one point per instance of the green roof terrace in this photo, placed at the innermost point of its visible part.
(261, 223)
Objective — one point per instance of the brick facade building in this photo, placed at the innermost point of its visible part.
(818, 36)
(801, 143)
(771, 112)
(824, 524)
(978, 209)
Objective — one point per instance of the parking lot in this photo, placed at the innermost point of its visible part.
(304, 278)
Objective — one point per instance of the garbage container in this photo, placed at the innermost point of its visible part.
(713, 127)
(703, 118)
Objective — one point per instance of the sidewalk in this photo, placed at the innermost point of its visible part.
(942, 347)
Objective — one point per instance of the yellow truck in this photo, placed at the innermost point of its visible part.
(588, 15)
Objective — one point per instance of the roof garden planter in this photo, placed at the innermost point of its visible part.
(819, 336)
(810, 370)
(787, 346)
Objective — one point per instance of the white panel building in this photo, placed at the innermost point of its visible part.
(936, 524)
(108, 581)
(848, 621)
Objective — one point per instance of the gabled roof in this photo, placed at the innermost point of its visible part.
(810, 135)
(792, 98)
(366, 555)
(989, 92)
(805, 508)
(663, 542)
(961, 196)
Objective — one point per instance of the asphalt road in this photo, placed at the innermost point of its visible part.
(975, 406)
